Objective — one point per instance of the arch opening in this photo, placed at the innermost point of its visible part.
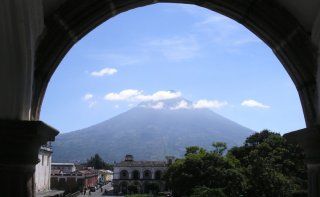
(124, 174)
(145, 175)
(269, 21)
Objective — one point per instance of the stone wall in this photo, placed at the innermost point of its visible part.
(43, 171)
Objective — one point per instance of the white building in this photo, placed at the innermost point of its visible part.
(64, 167)
(105, 176)
(140, 174)
(43, 169)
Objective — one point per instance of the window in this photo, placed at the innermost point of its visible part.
(124, 174)
(147, 174)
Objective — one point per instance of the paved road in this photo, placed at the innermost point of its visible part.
(108, 187)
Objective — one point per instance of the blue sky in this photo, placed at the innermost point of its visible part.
(170, 50)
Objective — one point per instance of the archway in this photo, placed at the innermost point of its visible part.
(268, 20)
(135, 187)
(124, 174)
(151, 187)
(147, 174)
(124, 187)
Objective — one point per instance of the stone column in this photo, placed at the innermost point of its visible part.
(153, 173)
(129, 173)
(309, 140)
(21, 24)
(19, 144)
(315, 38)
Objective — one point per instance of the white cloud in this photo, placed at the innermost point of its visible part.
(158, 105)
(104, 71)
(176, 48)
(87, 96)
(137, 95)
(89, 99)
(157, 96)
(212, 104)
(224, 31)
(254, 103)
(92, 104)
(181, 105)
(123, 95)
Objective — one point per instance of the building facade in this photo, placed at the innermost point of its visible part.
(73, 180)
(105, 176)
(64, 167)
(132, 176)
(43, 169)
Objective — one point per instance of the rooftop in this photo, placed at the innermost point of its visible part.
(141, 164)
(62, 164)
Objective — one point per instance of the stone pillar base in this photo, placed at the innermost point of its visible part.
(19, 147)
(309, 140)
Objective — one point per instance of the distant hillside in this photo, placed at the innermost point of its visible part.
(149, 131)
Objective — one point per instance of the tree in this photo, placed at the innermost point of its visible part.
(272, 166)
(194, 150)
(202, 169)
(219, 147)
(207, 192)
(266, 165)
(133, 189)
(97, 162)
(152, 187)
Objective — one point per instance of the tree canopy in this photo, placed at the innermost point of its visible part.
(265, 165)
(98, 163)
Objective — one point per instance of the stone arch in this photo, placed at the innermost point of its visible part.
(123, 187)
(137, 186)
(151, 187)
(135, 174)
(145, 186)
(124, 174)
(267, 19)
(147, 174)
(158, 175)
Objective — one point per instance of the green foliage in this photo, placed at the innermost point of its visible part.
(152, 187)
(272, 166)
(207, 192)
(97, 162)
(219, 147)
(266, 165)
(203, 168)
(194, 150)
(133, 189)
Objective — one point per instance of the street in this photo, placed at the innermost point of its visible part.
(98, 192)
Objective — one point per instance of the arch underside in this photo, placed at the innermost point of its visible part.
(268, 20)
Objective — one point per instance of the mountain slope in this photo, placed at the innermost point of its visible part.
(149, 132)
